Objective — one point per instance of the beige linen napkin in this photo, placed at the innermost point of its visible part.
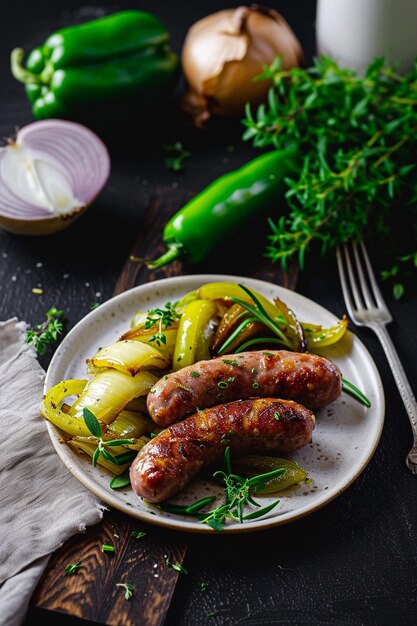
(41, 503)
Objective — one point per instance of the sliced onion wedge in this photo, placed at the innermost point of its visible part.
(49, 175)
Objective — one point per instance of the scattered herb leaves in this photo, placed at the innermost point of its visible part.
(129, 589)
(73, 568)
(138, 534)
(176, 154)
(47, 332)
(176, 566)
(120, 481)
(107, 547)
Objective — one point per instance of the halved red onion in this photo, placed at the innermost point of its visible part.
(49, 175)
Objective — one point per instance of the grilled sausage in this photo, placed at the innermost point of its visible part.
(168, 462)
(306, 378)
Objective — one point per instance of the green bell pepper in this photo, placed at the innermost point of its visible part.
(224, 206)
(111, 65)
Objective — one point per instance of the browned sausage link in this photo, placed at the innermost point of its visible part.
(258, 425)
(306, 378)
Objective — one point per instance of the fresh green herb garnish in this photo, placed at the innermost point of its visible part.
(176, 566)
(162, 319)
(129, 589)
(277, 416)
(357, 136)
(73, 568)
(237, 493)
(138, 534)
(231, 362)
(176, 155)
(195, 374)
(353, 391)
(48, 332)
(189, 509)
(106, 547)
(203, 586)
(94, 427)
(120, 481)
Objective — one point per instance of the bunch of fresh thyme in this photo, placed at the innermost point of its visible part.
(354, 140)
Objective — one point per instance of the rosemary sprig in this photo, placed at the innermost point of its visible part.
(356, 137)
(47, 332)
(162, 319)
(176, 154)
(356, 393)
(94, 427)
(237, 493)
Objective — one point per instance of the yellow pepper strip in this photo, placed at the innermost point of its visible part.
(144, 334)
(225, 291)
(166, 349)
(319, 337)
(189, 297)
(107, 393)
(192, 342)
(130, 357)
(129, 424)
(51, 407)
(252, 465)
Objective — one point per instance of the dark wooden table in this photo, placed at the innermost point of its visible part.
(352, 562)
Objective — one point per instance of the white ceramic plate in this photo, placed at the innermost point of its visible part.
(344, 440)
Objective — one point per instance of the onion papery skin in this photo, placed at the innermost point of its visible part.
(225, 51)
(84, 163)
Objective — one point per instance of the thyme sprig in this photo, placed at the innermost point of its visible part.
(162, 319)
(47, 332)
(355, 139)
(94, 427)
(237, 493)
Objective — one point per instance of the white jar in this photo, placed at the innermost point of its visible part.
(354, 32)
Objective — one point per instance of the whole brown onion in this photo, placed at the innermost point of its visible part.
(225, 51)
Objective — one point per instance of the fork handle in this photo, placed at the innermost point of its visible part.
(399, 374)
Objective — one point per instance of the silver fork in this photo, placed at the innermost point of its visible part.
(367, 307)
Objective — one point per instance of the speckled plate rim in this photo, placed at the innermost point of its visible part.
(188, 283)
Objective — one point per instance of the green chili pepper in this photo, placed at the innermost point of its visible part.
(225, 205)
(112, 64)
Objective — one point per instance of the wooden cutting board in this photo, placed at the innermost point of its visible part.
(92, 593)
